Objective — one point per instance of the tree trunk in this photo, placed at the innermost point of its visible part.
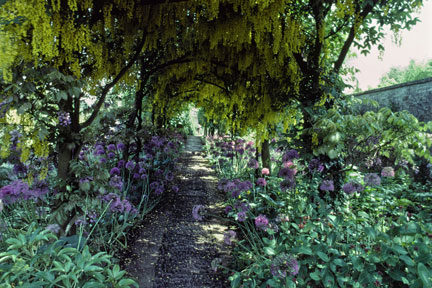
(265, 154)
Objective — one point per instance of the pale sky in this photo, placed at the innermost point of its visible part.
(416, 44)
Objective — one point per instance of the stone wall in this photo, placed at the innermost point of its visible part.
(415, 96)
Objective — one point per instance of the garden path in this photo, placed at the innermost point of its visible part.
(172, 249)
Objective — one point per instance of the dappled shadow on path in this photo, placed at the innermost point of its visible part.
(173, 249)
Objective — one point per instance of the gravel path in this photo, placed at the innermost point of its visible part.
(174, 250)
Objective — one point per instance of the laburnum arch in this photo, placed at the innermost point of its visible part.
(248, 58)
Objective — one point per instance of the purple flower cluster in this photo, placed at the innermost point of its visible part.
(315, 166)
(261, 222)
(236, 186)
(261, 182)
(290, 155)
(327, 185)
(388, 172)
(64, 118)
(287, 173)
(372, 179)
(19, 190)
(117, 205)
(352, 187)
(287, 184)
(283, 265)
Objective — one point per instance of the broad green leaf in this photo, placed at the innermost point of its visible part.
(424, 275)
(323, 256)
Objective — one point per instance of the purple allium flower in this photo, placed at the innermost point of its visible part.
(315, 166)
(169, 177)
(175, 189)
(265, 171)
(115, 171)
(196, 212)
(130, 165)
(117, 205)
(121, 163)
(241, 216)
(99, 152)
(253, 163)
(388, 172)
(64, 118)
(261, 222)
(327, 185)
(102, 160)
(127, 206)
(111, 147)
(142, 171)
(54, 228)
(349, 188)
(287, 184)
(111, 155)
(116, 182)
(154, 185)
(287, 173)
(290, 155)
(261, 182)
(14, 192)
(282, 265)
(228, 209)
(158, 191)
(229, 236)
(143, 176)
(136, 176)
(352, 187)
(372, 179)
(121, 146)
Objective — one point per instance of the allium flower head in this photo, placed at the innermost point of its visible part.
(111, 155)
(372, 179)
(115, 171)
(121, 163)
(265, 171)
(228, 209)
(283, 265)
(196, 212)
(241, 216)
(229, 236)
(315, 166)
(130, 165)
(287, 173)
(175, 189)
(261, 182)
(388, 172)
(290, 155)
(111, 147)
(121, 146)
(261, 222)
(327, 185)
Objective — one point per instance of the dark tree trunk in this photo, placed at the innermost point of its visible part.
(265, 154)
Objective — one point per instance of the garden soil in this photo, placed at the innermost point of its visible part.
(171, 249)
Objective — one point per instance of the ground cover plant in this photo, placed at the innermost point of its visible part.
(288, 232)
(117, 186)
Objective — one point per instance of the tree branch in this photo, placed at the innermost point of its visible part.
(110, 85)
(351, 36)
